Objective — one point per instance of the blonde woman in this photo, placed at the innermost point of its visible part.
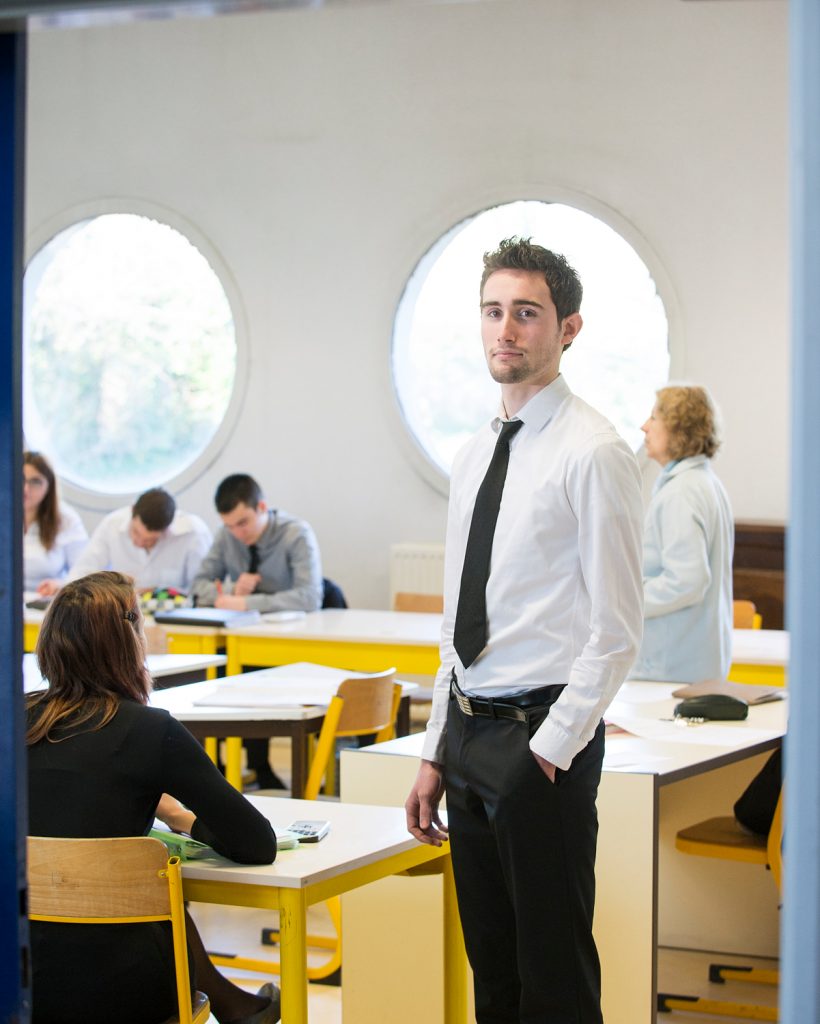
(688, 543)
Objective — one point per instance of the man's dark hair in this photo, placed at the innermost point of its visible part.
(155, 508)
(521, 254)
(237, 489)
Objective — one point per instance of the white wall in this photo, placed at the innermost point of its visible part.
(320, 152)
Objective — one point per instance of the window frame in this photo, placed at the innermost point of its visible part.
(447, 225)
(45, 232)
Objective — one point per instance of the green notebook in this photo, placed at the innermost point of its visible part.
(179, 845)
(190, 849)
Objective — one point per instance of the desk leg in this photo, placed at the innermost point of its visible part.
(455, 956)
(403, 717)
(212, 748)
(233, 761)
(298, 762)
(293, 955)
(232, 652)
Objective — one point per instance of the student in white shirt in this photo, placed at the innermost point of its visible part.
(53, 533)
(152, 541)
(688, 545)
(515, 734)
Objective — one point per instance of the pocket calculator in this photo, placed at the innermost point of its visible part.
(309, 831)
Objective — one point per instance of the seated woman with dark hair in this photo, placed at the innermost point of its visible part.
(102, 764)
(688, 543)
(53, 533)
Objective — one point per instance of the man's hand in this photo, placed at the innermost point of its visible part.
(246, 584)
(547, 767)
(421, 807)
(231, 602)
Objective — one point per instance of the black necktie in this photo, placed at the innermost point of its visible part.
(254, 553)
(470, 632)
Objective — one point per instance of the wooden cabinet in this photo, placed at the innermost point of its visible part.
(759, 569)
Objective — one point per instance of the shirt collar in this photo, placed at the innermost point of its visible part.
(540, 409)
(673, 469)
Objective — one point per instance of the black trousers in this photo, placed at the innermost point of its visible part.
(523, 852)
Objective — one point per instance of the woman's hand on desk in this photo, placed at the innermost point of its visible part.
(421, 807)
(231, 602)
(175, 816)
(48, 588)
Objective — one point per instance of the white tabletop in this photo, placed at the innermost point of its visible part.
(358, 836)
(760, 646)
(159, 665)
(655, 745)
(352, 624)
(287, 692)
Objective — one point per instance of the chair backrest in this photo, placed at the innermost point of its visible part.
(368, 704)
(745, 615)
(112, 881)
(360, 707)
(404, 601)
(332, 596)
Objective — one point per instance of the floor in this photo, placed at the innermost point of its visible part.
(226, 929)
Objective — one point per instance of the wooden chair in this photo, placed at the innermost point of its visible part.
(114, 881)
(421, 700)
(362, 707)
(407, 602)
(745, 615)
(725, 839)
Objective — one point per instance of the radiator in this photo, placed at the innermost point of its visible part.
(416, 569)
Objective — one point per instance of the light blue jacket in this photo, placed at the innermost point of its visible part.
(687, 577)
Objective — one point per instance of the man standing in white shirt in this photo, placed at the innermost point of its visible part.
(542, 620)
(152, 541)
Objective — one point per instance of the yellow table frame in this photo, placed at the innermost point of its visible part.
(763, 675)
(292, 904)
(359, 656)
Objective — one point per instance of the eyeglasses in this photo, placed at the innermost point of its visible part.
(34, 481)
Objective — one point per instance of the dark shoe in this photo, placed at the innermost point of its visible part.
(269, 1014)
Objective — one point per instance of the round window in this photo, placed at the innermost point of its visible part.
(129, 353)
(620, 358)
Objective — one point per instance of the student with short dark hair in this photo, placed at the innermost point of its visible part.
(151, 540)
(263, 558)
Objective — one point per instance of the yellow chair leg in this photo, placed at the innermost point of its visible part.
(718, 973)
(716, 1007)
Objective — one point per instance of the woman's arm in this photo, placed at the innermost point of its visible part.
(214, 812)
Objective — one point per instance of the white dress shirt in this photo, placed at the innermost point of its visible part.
(172, 562)
(687, 570)
(40, 563)
(564, 599)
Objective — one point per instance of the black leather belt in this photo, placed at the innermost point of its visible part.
(514, 707)
(488, 707)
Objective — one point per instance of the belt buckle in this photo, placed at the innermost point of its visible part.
(464, 703)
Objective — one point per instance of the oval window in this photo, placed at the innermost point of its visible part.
(620, 358)
(129, 353)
